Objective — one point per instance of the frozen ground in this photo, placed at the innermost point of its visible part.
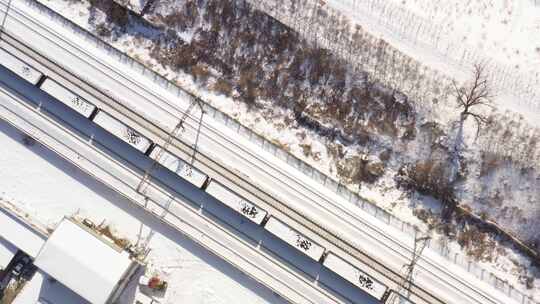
(275, 123)
(48, 188)
(450, 36)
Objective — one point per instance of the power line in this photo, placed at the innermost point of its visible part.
(2, 26)
(179, 127)
(404, 287)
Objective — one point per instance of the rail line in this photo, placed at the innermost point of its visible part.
(188, 220)
(294, 216)
(216, 170)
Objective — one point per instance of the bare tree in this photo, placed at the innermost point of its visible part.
(474, 94)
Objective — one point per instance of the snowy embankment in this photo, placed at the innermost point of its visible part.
(310, 137)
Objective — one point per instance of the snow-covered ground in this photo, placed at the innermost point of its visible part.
(451, 36)
(48, 188)
(274, 123)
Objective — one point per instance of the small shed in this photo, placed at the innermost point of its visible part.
(85, 262)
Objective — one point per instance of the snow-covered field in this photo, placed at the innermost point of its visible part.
(48, 188)
(450, 36)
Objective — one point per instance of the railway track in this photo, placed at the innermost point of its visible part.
(186, 217)
(294, 216)
(234, 179)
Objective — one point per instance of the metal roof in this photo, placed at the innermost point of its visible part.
(83, 262)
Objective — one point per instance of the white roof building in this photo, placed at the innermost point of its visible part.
(84, 262)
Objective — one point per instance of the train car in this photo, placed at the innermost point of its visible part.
(236, 202)
(294, 238)
(120, 130)
(356, 276)
(178, 166)
(19, 67)
(69, 98)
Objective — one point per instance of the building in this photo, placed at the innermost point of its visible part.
(85, 262)
(74, 262)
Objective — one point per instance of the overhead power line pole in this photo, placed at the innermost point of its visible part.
(171, 136)
(404, 287)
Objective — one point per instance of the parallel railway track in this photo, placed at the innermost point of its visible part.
(296, 217)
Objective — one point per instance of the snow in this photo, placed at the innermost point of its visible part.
(18, 67)
(141, 298)
(450, 37)
(294, 238)
(236, 202)
(71, 247)
(59, 189)
(179, 215)
(7, 252)
(355, 276)
(383, 200)
(178, 166)
(270, 124)
(134, 5)
(19, 234)
(43, 289)
(75, 102)
(122, 131)
(397, 299)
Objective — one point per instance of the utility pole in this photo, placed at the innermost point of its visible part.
(179, 127)
(155, 161)
(404, 287)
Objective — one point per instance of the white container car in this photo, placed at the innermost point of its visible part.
(355, 276)
(295, 238)
(122, 131)
(19, 67)
(178, 166)
(236, 202)
(69, 98)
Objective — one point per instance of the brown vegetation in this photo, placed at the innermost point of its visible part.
(257, 58)
(116, 14)
(260, 58)
(429, 177)
(106, 231)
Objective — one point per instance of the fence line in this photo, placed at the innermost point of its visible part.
(353, 197)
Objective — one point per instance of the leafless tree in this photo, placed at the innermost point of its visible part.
(473, 95)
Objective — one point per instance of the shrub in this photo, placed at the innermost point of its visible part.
(117, 14)
(430, 177)
(102, 30)
(200, 72)
(223, 87)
